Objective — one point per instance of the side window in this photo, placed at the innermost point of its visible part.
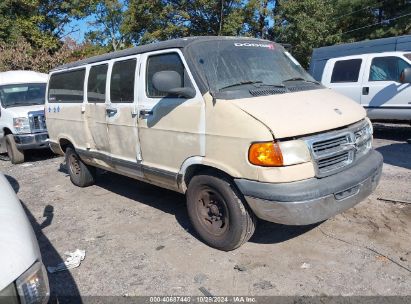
(96, 87)
(387, 68)
(122, 81)
(67, 86)
(164, 62)
(346, 70)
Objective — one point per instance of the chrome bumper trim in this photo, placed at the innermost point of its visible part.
(32, 141)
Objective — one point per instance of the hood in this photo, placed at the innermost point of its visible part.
(18, 244)
(22, 111)
(15, 77)
(301, 113)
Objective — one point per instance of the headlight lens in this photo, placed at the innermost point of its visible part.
(295, 152)
(21, 124)
(276, 154)
(33, 285)
(370, 129)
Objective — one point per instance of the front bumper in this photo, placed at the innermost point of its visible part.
(32, 141)
(316, 199)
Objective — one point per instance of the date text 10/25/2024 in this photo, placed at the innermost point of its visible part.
(203, 299)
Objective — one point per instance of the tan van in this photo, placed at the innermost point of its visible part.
(234, 123)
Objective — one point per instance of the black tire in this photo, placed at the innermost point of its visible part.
(81, 175)
(16, 156)
(218, 213)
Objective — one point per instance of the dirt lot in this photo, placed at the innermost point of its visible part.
(138, 239)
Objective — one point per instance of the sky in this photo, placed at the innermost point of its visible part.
(81, 27)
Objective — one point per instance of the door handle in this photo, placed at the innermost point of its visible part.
(146, 112)
(111, 111)
(365, 90)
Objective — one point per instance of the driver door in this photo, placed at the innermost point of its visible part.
(171, 128)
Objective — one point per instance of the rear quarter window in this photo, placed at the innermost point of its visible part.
(346, 71)
(67, 87)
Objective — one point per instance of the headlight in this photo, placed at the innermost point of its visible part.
(33, 285)
(369, 128)
(295, 152)
(21, 124)
(276, 154)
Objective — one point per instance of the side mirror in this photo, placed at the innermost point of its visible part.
(405, 76)
(171, 82)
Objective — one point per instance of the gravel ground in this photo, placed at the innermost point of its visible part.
(138, 239)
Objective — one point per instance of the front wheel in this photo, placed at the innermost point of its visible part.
(16, 156)
(80, 174)
(218, 213)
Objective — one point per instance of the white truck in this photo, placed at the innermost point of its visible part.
(22, 120)
(374, 73)
(23, 277)
(380, 82)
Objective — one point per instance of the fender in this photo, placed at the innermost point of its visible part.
(66, 137)
(201, 160)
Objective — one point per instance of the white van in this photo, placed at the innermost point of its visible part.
(234, 123)
(23, 277)
(380, 82)
(22, 120)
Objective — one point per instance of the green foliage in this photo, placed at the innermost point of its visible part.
(40, 22)
(372, 19)
(106, 28)
(21, 55)
(147, 21)
(305, 25)
(257, 13)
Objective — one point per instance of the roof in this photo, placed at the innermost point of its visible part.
(16, 77)
(400, 43)
(174, 43)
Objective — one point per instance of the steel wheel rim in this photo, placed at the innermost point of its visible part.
(74, 165)
(212, 211)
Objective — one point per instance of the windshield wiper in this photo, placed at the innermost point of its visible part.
(301, 79)
(252, 82)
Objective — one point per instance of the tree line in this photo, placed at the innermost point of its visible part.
(35, 34)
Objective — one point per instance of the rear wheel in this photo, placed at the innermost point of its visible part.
(218, 213)
(16, 156)
(80, 174)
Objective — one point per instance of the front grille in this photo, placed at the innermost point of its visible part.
(329, 145)
(333, 151)
(334, 162)
(37, 121)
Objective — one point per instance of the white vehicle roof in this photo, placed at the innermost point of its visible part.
(380, 54)
(16, 77)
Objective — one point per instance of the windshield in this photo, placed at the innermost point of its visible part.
(236, 65)
(26, 94)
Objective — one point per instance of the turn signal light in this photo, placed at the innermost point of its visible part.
(266, 154)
